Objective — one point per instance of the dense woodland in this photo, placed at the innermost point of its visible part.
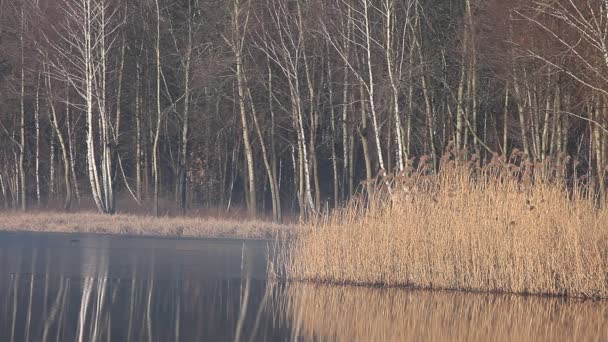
(287, 106)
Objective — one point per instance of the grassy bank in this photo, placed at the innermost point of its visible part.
(91, 222)
(512, 227)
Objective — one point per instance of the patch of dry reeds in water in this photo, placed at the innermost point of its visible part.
(514, 227)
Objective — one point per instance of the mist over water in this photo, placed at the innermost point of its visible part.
(98, 288)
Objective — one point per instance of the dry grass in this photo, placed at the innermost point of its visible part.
(504, 227)
(91, 222)
(334, 313)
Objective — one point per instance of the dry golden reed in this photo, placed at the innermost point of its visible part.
(514, 227)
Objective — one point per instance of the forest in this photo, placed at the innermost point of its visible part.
(287, 107)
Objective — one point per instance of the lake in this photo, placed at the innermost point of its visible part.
(60, 287)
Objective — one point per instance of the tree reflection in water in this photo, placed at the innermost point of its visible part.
(36, 306)
(42, 299)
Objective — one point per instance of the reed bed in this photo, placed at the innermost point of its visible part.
(504, 226)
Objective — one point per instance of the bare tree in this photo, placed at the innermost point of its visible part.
(85, 40)
(240, 14)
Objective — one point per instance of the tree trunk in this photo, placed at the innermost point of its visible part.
(276, 206)
(237, 42)
(472, 73)
(520, 110)
(505, 124)
(394, 89)
(22, 179)
(363, 134)
(183, 167)
(37, 124)
(138, 151)
(246, 140)
(64, 151)
(334, 133)
(273, 151)
(371, 87)
(71, 145)
(155, 166)
(52, 187)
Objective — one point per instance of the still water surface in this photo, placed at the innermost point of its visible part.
(100, 288)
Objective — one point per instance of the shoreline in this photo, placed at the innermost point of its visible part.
(127, 225)
(133, 236)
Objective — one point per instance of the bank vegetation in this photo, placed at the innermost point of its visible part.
(510, 226)
(91, 222)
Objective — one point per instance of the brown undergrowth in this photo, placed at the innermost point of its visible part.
(92, 222)
(506, 226)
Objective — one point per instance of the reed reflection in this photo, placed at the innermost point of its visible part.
(372, 314)
(108, 293)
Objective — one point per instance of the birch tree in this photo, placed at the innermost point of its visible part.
(284, 49)
(239, 16)
(62, 143)
(83, 43)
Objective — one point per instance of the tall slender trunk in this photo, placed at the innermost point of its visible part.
(410, 101)
(22, 179)
(371, 86)
(52, 187)
(555, 121)
(306, 201)
(238, 41)
(520, 99)
(138, 152)
(37, 124)
(472, 72)
(16, 180)
(155, 166)
(186, 119)
(505, 123)
(273, 151)
(363, 134)
(106, 134)
(64, 150)
(460, 113)
(598, 146)
(71, 135)
(246, 139)
(533, 113)
(346, 136)
(521, 112)
(118, 117)
(334, 133)
(346, 132)
(389, 23)
(545, 132)
(314, 119)
(274, 192)
(428, 109)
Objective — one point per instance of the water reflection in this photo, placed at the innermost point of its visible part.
(111, 290)
(366, 314)
(135, 299)
(102, 309)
